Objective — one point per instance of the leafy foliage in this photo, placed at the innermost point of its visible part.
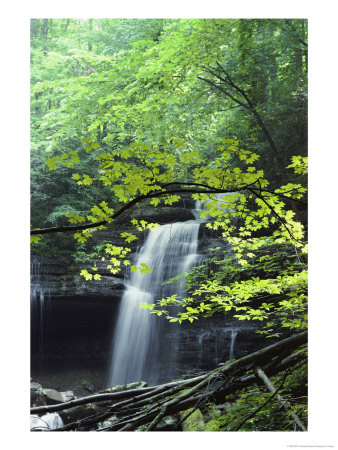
(118, 113)
(254, 409)
(128, 111)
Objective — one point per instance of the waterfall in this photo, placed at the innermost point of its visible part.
(169, 250)
(234, 334)
(38, 304)
(202, 205)
(215, 341)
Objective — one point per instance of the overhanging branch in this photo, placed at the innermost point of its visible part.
(205, 189)
(135, 201)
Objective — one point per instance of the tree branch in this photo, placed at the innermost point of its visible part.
(136, 200)
(209, 190)
(248, 105)
(224, 92)
(280, 195)
(282, 221)
(238, 427)
(271, 387)
(296, 33)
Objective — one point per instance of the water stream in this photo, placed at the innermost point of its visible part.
(137, 353)
(234, 333)
(39, 302)
(169, 250)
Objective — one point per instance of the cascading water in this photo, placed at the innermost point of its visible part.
(234, 333)
(217, 341)
(169, 250)
(38, 298)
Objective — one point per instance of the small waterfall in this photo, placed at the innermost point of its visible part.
(38, 299)
(202, 205)
(169, 250)
(234, 334)
(214, 342)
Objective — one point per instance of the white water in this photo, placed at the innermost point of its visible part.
(217, 340)
(38, 297)
(169, 250)
(234, 334)
(223, 206)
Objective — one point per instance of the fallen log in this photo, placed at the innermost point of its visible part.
(148, 406)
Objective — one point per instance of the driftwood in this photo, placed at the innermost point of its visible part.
(130, 409)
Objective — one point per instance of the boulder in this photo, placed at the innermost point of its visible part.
(37, 395)
(53, 397)
(89, 388)
(193, 421)
(49, 421)
(107, 423)
(168, 423)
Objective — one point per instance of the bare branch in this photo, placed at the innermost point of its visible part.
(249, 416)
(272, 389)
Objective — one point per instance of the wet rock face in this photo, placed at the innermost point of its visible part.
(58, 280)
(164, 215)
(205, 343)
(76, 331)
